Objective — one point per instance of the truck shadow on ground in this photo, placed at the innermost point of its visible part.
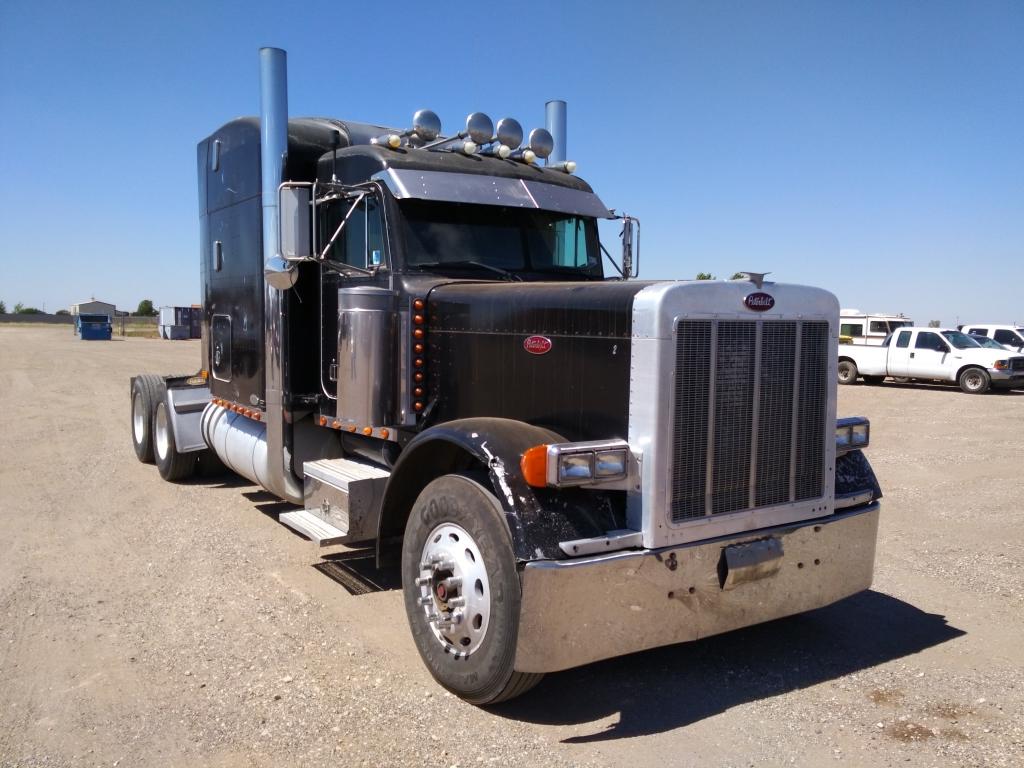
(952, 389)
(665, 688)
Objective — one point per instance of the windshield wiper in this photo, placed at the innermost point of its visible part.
(470, 263)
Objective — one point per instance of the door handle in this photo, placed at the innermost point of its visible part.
(911, 354)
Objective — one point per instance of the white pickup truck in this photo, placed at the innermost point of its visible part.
(932, 354)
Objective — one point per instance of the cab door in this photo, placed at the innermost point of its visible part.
(899, 354)
(929, 358)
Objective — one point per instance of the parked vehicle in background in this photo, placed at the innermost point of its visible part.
(93, 327)
(863, 328)
(987, 343)
(932, 354)
(1010, 336)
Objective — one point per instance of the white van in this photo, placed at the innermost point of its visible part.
(1010, 336)
(862, 328)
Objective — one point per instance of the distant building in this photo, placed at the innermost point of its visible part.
(94, 307)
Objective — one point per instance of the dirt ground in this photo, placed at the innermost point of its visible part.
(149, 624)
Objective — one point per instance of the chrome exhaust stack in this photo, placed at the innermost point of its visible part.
(279, 478)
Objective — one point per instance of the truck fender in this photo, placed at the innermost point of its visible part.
(537, 519)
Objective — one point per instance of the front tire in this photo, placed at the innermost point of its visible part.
(147, 391)
(462, 591)
(172, 464)
(975, 381)
(847, 372)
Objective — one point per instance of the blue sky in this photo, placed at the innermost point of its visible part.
(872, 148)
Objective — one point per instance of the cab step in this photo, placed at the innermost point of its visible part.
(321, 533)
(346, 495)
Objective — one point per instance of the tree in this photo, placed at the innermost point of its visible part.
(934, 323)
(705, 276)
(18, 307)
(738, 275)
(62, 312)
(3, 308)
(145, 309)
(21, 309)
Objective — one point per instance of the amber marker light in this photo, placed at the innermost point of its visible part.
(418, 392)
(257, 415)
(351, 427)
(534, 466)
(417, 377)
(384, 433)
(417, 407)
(418, 362)
(367, 431)
(418, 348)
(418, 304)
(418, 333)
(323, 421)
(336, 424)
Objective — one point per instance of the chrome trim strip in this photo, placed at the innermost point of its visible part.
(755, 420)
(795, 416)
(709, 466)
(846, 500)
(610, 542)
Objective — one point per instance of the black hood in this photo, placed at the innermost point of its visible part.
(554, 354)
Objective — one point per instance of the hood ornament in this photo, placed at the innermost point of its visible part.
(757, 278)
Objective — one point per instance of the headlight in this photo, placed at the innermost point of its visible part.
(852, 433)
(1002, 365)
(567, 464)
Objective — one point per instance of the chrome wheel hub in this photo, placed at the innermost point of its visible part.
(138, 418)
(453, 589)
(161, 436)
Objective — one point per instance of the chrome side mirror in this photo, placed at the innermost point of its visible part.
(296, 225)
(280, 274)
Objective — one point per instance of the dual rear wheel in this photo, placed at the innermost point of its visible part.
(153, 430)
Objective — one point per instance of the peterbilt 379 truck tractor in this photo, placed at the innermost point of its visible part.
(411, 337)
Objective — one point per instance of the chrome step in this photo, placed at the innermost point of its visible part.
(345, 494)
(321, 533)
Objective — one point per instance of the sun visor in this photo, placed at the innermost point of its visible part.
(442, 186)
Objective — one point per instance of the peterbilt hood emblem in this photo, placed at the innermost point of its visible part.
(759, 302)
(537, 345)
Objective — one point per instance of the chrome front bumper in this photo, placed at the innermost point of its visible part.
(583, 610)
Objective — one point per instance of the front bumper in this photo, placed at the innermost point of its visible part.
(578, 611)
(1006, 379)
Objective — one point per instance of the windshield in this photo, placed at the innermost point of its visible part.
(488, 238)
(985, 341)
(960, 340)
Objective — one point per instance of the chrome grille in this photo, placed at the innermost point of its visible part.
(750, 401)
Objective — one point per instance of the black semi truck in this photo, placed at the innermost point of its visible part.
(411, 337)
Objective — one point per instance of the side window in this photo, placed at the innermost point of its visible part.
(364, 235)
(982, 331)
(879, 326)
(1004, 336)
(928, 341)
(220, 347)
(852, 329)
(903, 340)
(570, 243)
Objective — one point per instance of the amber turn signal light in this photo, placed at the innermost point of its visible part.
(418, 304)
(534, 466)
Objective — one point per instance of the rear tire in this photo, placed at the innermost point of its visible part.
(457, 531)
(873, 379)
(975, 381)
(172, 464)
(847, 372)
(147, 390)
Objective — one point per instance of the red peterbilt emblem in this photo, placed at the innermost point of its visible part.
(537, 345)
(759, 302)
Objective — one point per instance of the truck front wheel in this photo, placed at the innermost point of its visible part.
(974, 381)
(462, 593)
(847, 372)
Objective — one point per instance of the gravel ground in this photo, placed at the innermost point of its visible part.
(151, 624)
